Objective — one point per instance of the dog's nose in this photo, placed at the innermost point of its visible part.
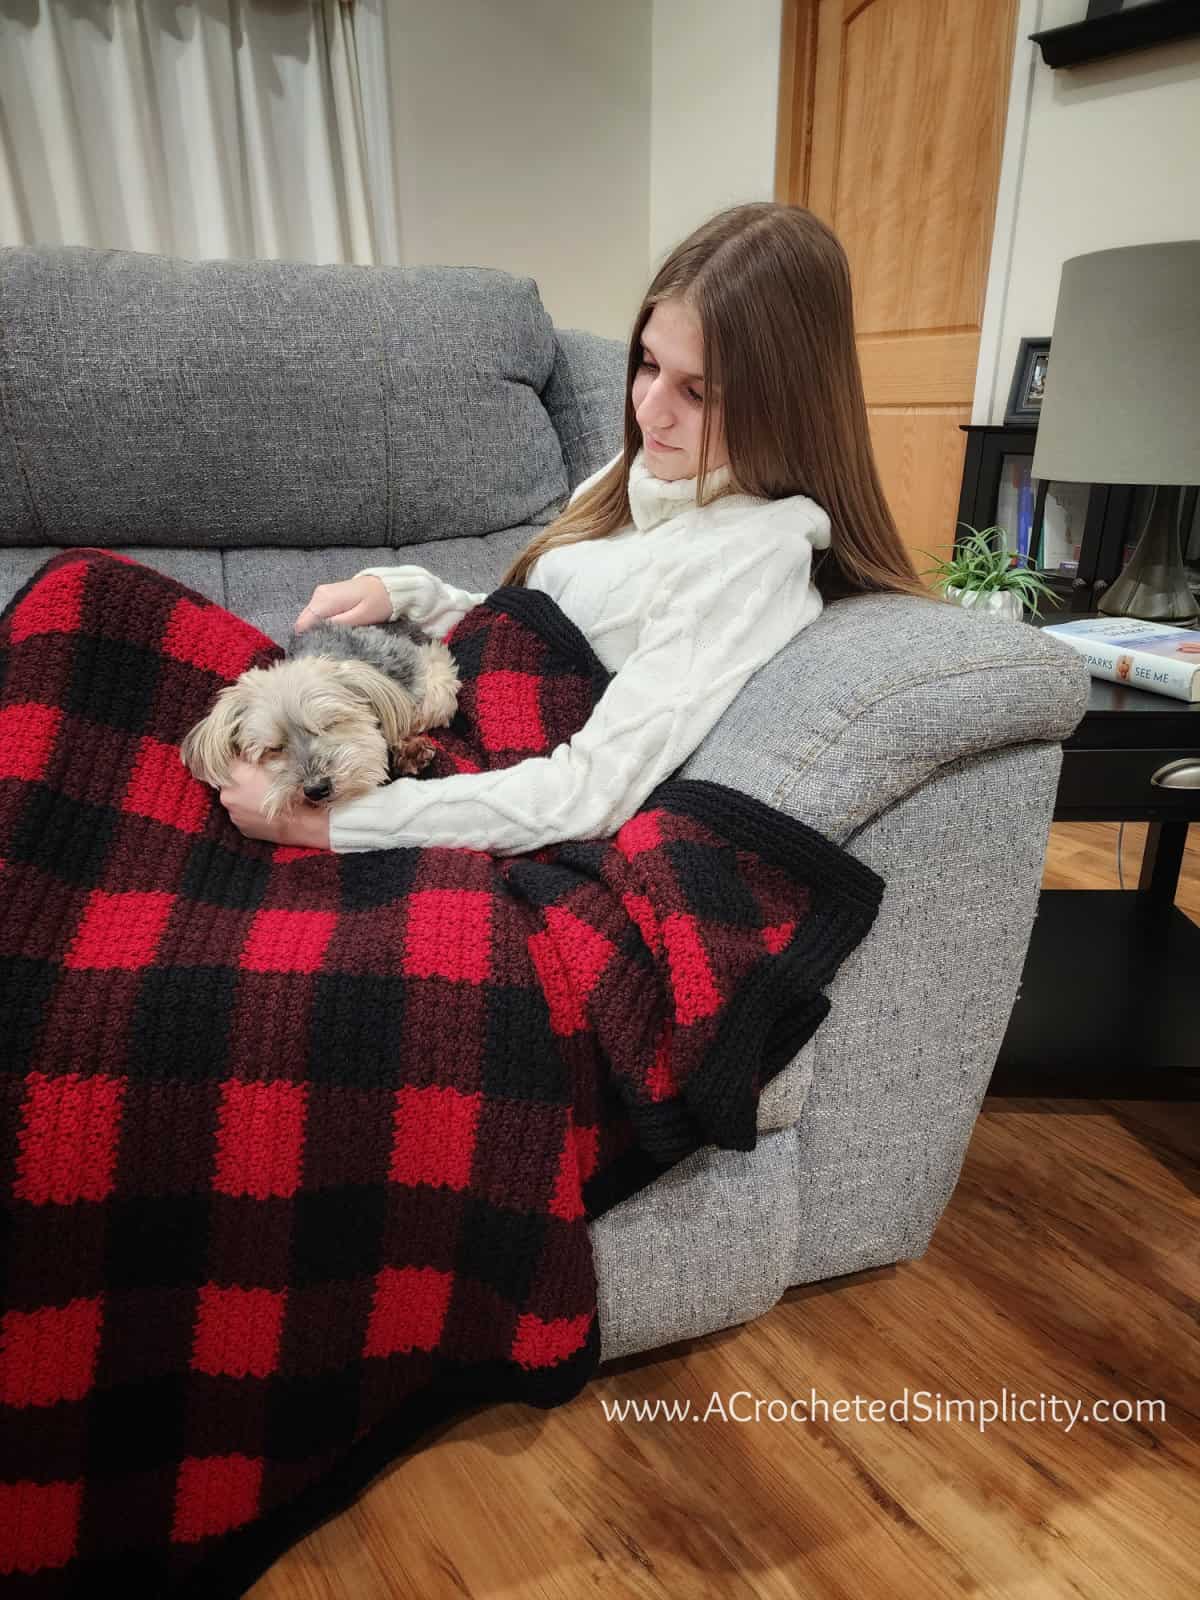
(318, 790)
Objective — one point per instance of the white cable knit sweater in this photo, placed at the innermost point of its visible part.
(683, 605)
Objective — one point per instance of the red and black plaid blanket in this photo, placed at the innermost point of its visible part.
(299, 1150)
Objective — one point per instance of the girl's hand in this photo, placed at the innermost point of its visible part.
(242, 797)
(355, 601)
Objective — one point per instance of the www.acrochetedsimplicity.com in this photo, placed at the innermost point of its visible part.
(917, 1405)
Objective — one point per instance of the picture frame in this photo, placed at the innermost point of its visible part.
(1029, 383)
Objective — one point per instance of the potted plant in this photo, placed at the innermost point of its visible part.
(985, 579)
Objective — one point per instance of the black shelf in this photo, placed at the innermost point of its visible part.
(1107, 1005)
(1118, 31)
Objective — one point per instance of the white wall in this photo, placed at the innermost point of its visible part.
(521, 138)
(580, 142)
(574, 141)
(577, 142)
(714, 98)
(1095, 156)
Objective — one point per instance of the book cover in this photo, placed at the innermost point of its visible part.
(1157, 656)
(1024, 518)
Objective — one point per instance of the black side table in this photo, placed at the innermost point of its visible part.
(1109, 1003)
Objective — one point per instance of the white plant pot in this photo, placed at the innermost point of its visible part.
(995, 602)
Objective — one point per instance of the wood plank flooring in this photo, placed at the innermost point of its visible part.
(1065, 1272)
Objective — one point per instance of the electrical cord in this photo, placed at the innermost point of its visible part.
(1120, 874)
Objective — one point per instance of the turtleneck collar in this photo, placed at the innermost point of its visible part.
(652, 500)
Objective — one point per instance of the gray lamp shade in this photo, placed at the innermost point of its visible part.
(1121, 401)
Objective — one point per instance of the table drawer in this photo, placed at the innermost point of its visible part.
(1104, 784)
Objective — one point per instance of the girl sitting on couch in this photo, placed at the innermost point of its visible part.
(745, 495)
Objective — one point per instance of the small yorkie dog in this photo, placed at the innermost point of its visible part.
(341, 713)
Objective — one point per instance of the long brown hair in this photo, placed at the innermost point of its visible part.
(770, 287)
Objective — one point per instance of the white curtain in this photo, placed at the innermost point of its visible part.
(198, 128)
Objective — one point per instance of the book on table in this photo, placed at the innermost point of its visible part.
(1145, 655)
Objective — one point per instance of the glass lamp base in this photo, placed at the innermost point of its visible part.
(1154, 585)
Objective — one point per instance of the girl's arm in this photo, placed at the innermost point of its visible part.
(432, 604)
(723, 614)
(425, 599)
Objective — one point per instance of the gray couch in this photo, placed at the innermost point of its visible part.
(254, 428)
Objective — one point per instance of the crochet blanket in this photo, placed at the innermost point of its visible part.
(299, 1150)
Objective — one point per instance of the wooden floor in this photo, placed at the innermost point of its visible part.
(1065, 1272)
(1083, 855)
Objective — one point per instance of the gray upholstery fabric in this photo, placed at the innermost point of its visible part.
(199, 569)
(709, 1244)
(881, 692)
(926, 739)
(269, 587)
(586, 399)
(919, 1011)
(155, 401)
(887, 1090)
(885, 696)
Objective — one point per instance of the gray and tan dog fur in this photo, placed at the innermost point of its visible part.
(340, 714)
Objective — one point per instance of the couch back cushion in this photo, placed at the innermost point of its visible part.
(586, 399)
(149, 400)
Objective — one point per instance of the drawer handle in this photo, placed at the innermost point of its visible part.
(1183, 774)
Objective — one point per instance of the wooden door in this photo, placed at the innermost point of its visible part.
(891, 128)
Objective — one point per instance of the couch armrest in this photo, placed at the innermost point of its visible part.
(880, 692)
(919, 1010)
(929, 741)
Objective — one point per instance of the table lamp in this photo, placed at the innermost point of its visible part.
(1121, 404)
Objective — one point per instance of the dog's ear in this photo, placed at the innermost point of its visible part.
(394, 706)
(210, 748)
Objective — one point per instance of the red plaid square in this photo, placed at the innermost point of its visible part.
(566, 1200)
(542, 1344)
(408, 1311)
(260, 1135)
(237, 1331)
(27, 734)
(564, 1003)
(160, 786)
(434, 1136)
(53, 605)
(214, 1494)
(586, 951)
(41, 1522)
(449, 935)
(48, 1355)
(288, 941)
(294, 852)
(587, 1149)
(778, 937)
(641, 909)
(641, 832)
(67, 1139)
(508, 711)
(661, 1081)
(212, 638)
(697, 993)
(570, 955)
(120, 930)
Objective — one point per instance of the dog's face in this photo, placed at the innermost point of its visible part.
(322, 729)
